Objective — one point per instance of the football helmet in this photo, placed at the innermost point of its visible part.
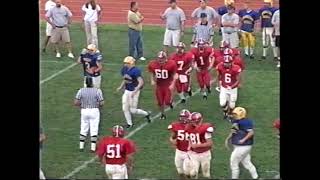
(239, 113)
(228, 51)
(184, 115)
(201, 44)
(129, 60)
(181, 47)
(227, 61)
(117, 131)
(195, 117)
(162, 56)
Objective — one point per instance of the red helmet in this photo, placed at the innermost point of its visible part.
(276, 124)
(195, 117)
(162, 56)
(236, 52)
(117, 131)
(181, 47)
(184, 115)
(228, 51)
(227, 61)
(224, 44)
(201, 44)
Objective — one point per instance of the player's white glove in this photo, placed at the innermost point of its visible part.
(229, 87)
(84, 51)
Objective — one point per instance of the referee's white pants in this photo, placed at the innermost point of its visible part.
(242, 154)
(96, 81)
(90, 119)
(232, 39)
(116, 171)
(130, 104)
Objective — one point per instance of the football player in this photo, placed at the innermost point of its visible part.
(247, 28)
(276, 124)
(164, 76)
(132, 83)
(184, 61)
(237, 60)
(199, 135)
(229, 79)
(266, 13)
(91, 59)
(203, 61)
(241, 136)
(116, 153)
(179, 141)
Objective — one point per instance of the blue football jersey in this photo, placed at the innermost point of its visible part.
(266, 16)
(90, 60)
(242, 129)
(248, 19)
(130, 77)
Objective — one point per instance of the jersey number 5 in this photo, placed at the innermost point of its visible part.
(227, 78)
(180, 135)
(161, 73)
(113, 151)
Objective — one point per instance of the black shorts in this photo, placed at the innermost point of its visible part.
(277, 41)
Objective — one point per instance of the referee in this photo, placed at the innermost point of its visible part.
(89, 99)
(203, 30)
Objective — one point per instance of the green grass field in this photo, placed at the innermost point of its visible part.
(155, 158)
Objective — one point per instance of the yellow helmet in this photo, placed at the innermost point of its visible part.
(268, 1)
(129, 60)
(228, 2)
(92, 47)
(239, 113)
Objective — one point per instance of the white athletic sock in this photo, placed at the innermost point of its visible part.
(253, 172)
(251, 51)
(275, 52)
(81, 145)
(41, 175)
(264, 53)
(127, 115)
(181, 95)
(204, 93)
(93, 146)
(138, 111)
(235, 173)
(246, 50)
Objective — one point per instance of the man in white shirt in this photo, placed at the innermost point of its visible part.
(276, 26)
(212, 15)
(230, 23)
(49, 4)
(92, 13)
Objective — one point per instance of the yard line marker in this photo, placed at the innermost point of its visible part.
(85, 164)
(58, 73)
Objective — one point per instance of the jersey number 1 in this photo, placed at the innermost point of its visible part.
(201, 60)
(113, 151)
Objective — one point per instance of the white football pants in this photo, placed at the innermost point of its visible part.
(116, 171)
(129, 105)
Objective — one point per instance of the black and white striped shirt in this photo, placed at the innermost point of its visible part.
(89, 97)
(204, 31)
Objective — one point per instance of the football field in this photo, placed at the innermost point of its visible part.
(61, 78)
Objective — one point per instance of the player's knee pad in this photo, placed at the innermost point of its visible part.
(133, 110)
(273, 43)
(82, 137)
(94, 138)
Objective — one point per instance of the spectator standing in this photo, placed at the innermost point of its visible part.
(175, 19)
(203, 30)
(135, 20)
(92, 14)
(60, 17)
(49, 4)
(230, 22)
(276, 24)
(212, 15)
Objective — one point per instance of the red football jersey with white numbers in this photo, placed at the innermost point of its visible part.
(202, 59)
(183, 61)
(197, 136)
(228, 76)
(179, 129)
(217, 53)
(217, 61)
(163, 72)
(115, 149)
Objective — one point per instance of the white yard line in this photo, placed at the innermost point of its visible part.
(57, 73)
(85, 164)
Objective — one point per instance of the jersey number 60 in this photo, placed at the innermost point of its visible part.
(161, 74)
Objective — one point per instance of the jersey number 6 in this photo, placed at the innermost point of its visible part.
(227, 78)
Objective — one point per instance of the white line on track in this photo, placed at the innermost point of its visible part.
(58, 73)
(85, 164)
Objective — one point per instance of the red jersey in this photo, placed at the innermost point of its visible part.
(115, 149)
(178, 129)
(217, 61)
(228, 76)
(203, 59)
(163, 72)
(238, 61)
(197, 135)
(183, 61)
(218, 53)
(235, 52)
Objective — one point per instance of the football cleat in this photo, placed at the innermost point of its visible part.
(209, 90)
(183, 101)
(252, 57)
(163, 116)
(190, 93)
(275, 59)
(148, 117)
(128, 126)
(205, 97)
(263, 58)
(171, 106)
(218, 89)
